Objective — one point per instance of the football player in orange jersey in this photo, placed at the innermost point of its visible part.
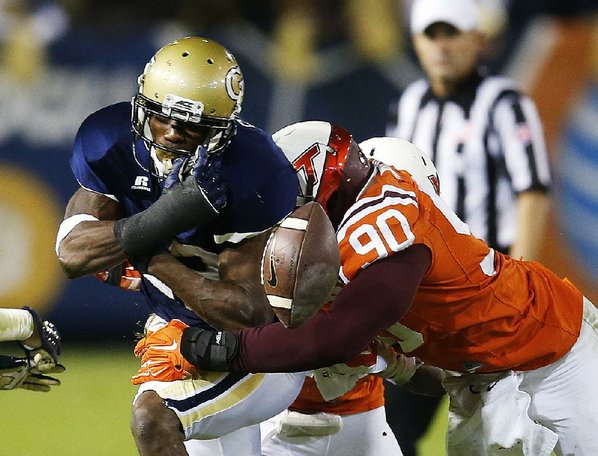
(340, 408)
(518, 343)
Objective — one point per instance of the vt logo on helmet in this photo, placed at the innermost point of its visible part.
(330, 166)
(318, 151)
(196, 83)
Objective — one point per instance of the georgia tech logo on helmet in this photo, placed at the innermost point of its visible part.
(235, 85)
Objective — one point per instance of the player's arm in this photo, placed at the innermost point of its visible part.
(235, 301)
(378, 297)
(86, 243)
(426, 381)
(41, 342)
(193, 195)
(532, 215)
(89, 240)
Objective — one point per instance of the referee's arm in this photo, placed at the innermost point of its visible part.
(521, 133)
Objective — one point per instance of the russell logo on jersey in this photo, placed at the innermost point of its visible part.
(141, 183)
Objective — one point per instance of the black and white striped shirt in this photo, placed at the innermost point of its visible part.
(488, 145)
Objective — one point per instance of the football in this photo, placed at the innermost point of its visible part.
(300, 264)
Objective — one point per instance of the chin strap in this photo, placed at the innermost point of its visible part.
(209, 350)
(162, 167)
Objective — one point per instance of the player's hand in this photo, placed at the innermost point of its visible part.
(24, 373)
(193, 196)
(338, 379)
(199, 174)
(161, 358)
(399, 368)
(38, 381)
(43, 347)
(124, 276)
(12, 372)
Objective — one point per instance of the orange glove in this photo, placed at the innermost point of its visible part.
(124, 276)
(161, 358)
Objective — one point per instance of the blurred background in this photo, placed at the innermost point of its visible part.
(343, 61)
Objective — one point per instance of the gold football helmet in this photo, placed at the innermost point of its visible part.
(192, 80)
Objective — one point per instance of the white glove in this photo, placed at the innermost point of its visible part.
(334, 381)
(399, 368)
(28, 373)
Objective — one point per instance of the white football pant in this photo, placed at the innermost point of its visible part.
(362, 434)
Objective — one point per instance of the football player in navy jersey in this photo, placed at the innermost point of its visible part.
(185, 152)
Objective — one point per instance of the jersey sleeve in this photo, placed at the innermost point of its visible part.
(380, 223)
(93, 164)
(520, 130)
(84, 173)
(262, 185)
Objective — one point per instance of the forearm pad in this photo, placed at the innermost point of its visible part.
(209, 350)
(180, 209)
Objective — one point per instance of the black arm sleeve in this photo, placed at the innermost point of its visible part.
(177, 210)
(377, 298)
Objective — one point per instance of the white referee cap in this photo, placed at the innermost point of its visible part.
(461, 14)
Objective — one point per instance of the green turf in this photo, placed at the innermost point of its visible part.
(88, 414)
(432, 443)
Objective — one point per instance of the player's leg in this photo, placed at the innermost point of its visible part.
(207, 408)
(565, 394)
(244, 442)
(156, 429)
(365, 433)
(409, 415)
(201, 447)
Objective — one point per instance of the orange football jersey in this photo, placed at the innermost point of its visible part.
(367, 395)
(476, 310)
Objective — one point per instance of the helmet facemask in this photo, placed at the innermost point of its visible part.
(349, 179)
(216, 136)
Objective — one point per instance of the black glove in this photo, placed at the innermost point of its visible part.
(202, 172)
(209, 349)
(193, 196)
(46, 355)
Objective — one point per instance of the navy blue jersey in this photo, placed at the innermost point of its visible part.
(261, 183)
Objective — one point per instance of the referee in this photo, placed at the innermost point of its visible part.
(482, 133)
(486, 140)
